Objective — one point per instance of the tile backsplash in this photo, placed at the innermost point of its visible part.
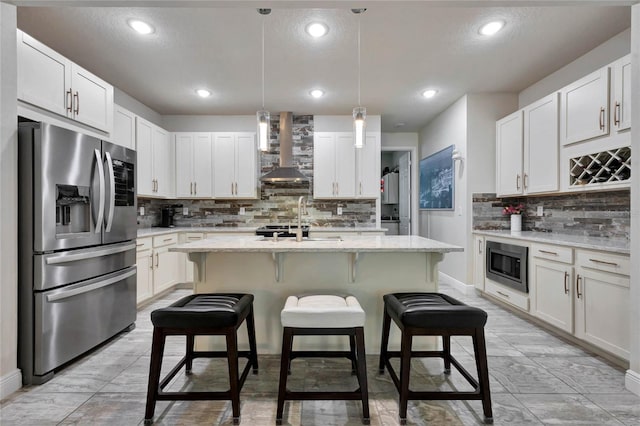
(594, 214)
(277, 203)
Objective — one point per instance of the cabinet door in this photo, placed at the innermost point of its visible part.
(166, 270)
(246, 167)
(144, 158)
(124, 127)
(478, 262)
(223, 165)
(184, 166)
(92, 99)
(509, 155)
(44, 76)
(368, 185)
(324, 163)
(162, 165)
(202, 165)
(541, 146)
(621, 101)
(345, 158)
(144, 263)
(602, 310)
(584, 108)
(552, 284)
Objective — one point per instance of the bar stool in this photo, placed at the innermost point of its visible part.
(322, 315)
(218, 314)
(434, 314)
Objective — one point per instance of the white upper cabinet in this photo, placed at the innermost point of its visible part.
(235, 165)
(154, 160)
(193, 154)
(334, 173)
(124, 127)
(621, 94)
(541, 146)
(368, 167)
(509, 155)
(50, 81)
(585, 108)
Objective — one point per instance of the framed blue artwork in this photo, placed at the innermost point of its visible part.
(437, 181)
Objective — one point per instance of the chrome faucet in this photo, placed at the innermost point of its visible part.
(302, 209)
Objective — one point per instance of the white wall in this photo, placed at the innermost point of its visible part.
(343, 123)
(448, 128)
(209, 123)
(612, 49)
(10, 377)
(135, 106)
(407, 140)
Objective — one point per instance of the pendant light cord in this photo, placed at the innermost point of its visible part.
(359, 61)
(263, 62)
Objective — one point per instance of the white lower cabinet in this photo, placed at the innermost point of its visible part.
(158, 268)
(144, 264)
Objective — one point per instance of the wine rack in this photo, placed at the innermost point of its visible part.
(613, 165)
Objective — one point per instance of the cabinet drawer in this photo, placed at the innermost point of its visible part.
(606, 262)
(165, 240)
(557, 253)
(143, 244)
(505, 294)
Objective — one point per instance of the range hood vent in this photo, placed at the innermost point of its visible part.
(285, 172)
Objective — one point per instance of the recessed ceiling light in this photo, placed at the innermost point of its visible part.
(140, 26)
(401, 124)
(317, 93)
(316, 29)
(491, 28)
(429, 93)
(203, 93)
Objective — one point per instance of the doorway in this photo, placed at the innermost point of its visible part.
(396, 184)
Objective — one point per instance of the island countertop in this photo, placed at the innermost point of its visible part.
(364, 244)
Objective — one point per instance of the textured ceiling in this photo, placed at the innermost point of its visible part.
(405, 49)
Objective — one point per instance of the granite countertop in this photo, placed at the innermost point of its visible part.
(150, 232)
(351, 244)
(577, 241)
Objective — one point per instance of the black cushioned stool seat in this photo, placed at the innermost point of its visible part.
(434, 314)
(202, 315)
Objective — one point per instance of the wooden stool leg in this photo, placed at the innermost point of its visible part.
(361, 364)
(251, 331)
(287, 343)
(446, 348)
(157, 350)
(189, 356)
(234, 381)
(386, 325)
(480, 350)
(352, 346)
(405, 371)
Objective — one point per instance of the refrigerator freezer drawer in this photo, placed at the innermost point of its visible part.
(71, 320)
(56, 269)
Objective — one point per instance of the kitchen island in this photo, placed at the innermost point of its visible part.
(366, 266)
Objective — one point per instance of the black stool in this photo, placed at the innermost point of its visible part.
(202, 315)
(434, 314)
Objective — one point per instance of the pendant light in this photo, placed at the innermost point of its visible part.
(359, 112)
(263, 116)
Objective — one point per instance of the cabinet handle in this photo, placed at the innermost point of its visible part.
(333, 191)
(524, 181)
(195, 188)
(157, 259)
(603, 262)
(231, 188)
(191, 188)
(479, 247)
(578, 278)
(548, 252)
(69, 101)
(616, 114)
(76, 97)
(566, 283)
(517, 181)
(360, 188)
(151, 263)
(502, 294)
(167, 239)
(602, 118)
(139, 245)
(337, 188)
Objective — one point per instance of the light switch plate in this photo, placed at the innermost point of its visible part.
(185, 211)
(141, 210)
(242, 211)
(539, 211)
(339, 211)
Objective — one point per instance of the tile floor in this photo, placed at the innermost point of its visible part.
(536, 378)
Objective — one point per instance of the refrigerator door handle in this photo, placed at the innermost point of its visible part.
(91, 255)
(101, 183)
(112, 192)
(90, 287)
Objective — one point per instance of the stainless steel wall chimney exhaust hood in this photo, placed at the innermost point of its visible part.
(286, 172)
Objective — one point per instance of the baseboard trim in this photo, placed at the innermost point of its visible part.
(9, 383)
(632, 381)
(458, 285)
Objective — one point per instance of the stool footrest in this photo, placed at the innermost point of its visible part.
(321, 354)
(325, 395)
(194, 396)
(445, 395)
(417, 354)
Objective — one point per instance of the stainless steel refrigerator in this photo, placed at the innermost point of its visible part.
(77, 254)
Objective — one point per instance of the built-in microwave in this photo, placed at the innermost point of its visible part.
(507, 264)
